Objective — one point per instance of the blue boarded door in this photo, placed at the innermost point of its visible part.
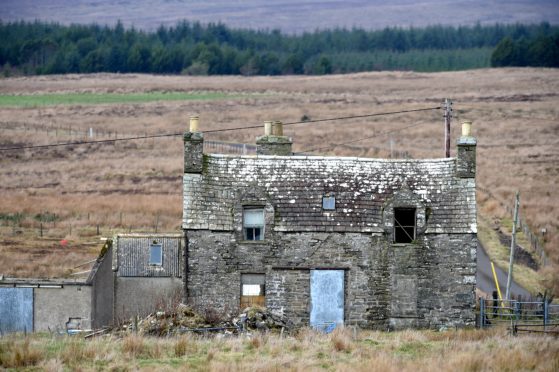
(327, 299)
(16, 310)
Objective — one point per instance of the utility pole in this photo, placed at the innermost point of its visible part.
(447, 117)
(512, 244)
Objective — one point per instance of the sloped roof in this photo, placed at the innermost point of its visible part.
(131, 255)
(294, 185)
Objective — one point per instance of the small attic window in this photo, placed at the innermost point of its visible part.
(156, 254)
(329, 203)
(404, 225)
(253, 223)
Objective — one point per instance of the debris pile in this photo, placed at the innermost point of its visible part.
(185, 319)
(258, 318)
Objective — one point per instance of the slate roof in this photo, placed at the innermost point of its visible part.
(295, 186)
(131, 257)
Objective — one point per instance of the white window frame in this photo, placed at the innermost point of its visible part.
(246, 226)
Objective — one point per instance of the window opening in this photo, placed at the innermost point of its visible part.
(155, 254)
(404, 225)
(253, 223)
(328, 203)
(253, 290)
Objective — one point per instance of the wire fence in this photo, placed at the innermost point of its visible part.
(534, 239)
(538, 315)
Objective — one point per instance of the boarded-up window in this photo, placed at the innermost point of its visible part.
(253, 290)
(404, 225)
(253, 223)
(156, 254)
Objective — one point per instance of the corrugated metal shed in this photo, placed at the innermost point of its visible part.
(133, 255)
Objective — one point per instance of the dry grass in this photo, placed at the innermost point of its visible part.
(136, 186)
(343, 350)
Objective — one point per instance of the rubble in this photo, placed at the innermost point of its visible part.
(185, 319)
(258, 318)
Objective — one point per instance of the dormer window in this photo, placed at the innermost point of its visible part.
(404, 225)
(156, 254)
(329, 203)
(253, 223)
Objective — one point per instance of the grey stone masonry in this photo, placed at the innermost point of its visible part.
(193, 152)
(273, 145)
(466, 157)
(429, 283)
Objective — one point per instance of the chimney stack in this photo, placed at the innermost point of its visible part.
(193, 148)
(273, 142)
(466, 152)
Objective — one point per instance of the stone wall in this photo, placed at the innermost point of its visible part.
(428, 283)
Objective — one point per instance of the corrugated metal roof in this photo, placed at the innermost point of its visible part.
(133, 252)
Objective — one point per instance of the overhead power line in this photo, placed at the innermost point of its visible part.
(77, 143)
(329, 119)
(330, 146)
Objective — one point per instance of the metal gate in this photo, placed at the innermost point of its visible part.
(16, 310)
(327, 299)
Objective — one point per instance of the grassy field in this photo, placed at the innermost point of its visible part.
(37, 100)
(343, 350)
(136, 185)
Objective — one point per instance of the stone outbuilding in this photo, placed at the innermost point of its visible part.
(136, 275)
(323, 241)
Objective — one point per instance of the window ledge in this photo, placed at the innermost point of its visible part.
(254, 241)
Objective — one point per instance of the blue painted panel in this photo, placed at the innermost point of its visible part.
(16, 310)
(327, 299)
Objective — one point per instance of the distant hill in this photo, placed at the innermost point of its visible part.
(287, 15)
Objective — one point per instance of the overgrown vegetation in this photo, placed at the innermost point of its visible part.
(215, 49)
(344, 349)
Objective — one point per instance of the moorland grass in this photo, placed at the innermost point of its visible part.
(344, 349)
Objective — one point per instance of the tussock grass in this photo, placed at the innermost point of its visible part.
(343, 350)
(18, 353)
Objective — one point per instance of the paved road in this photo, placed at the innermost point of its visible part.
(485, 281)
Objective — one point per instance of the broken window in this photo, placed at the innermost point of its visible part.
(253, 290)
(253, 223)
(404, 225)
(328, 203)
(155, 254)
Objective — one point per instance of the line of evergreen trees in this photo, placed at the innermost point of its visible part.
(193, 48)
(540, 51)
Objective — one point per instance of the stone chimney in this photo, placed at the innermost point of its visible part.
(273, 142)
(193, 148)
(466, 152)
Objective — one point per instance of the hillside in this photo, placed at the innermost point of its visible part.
(136, 185)
(288, 15)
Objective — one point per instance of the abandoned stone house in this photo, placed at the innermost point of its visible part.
(376, 243)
